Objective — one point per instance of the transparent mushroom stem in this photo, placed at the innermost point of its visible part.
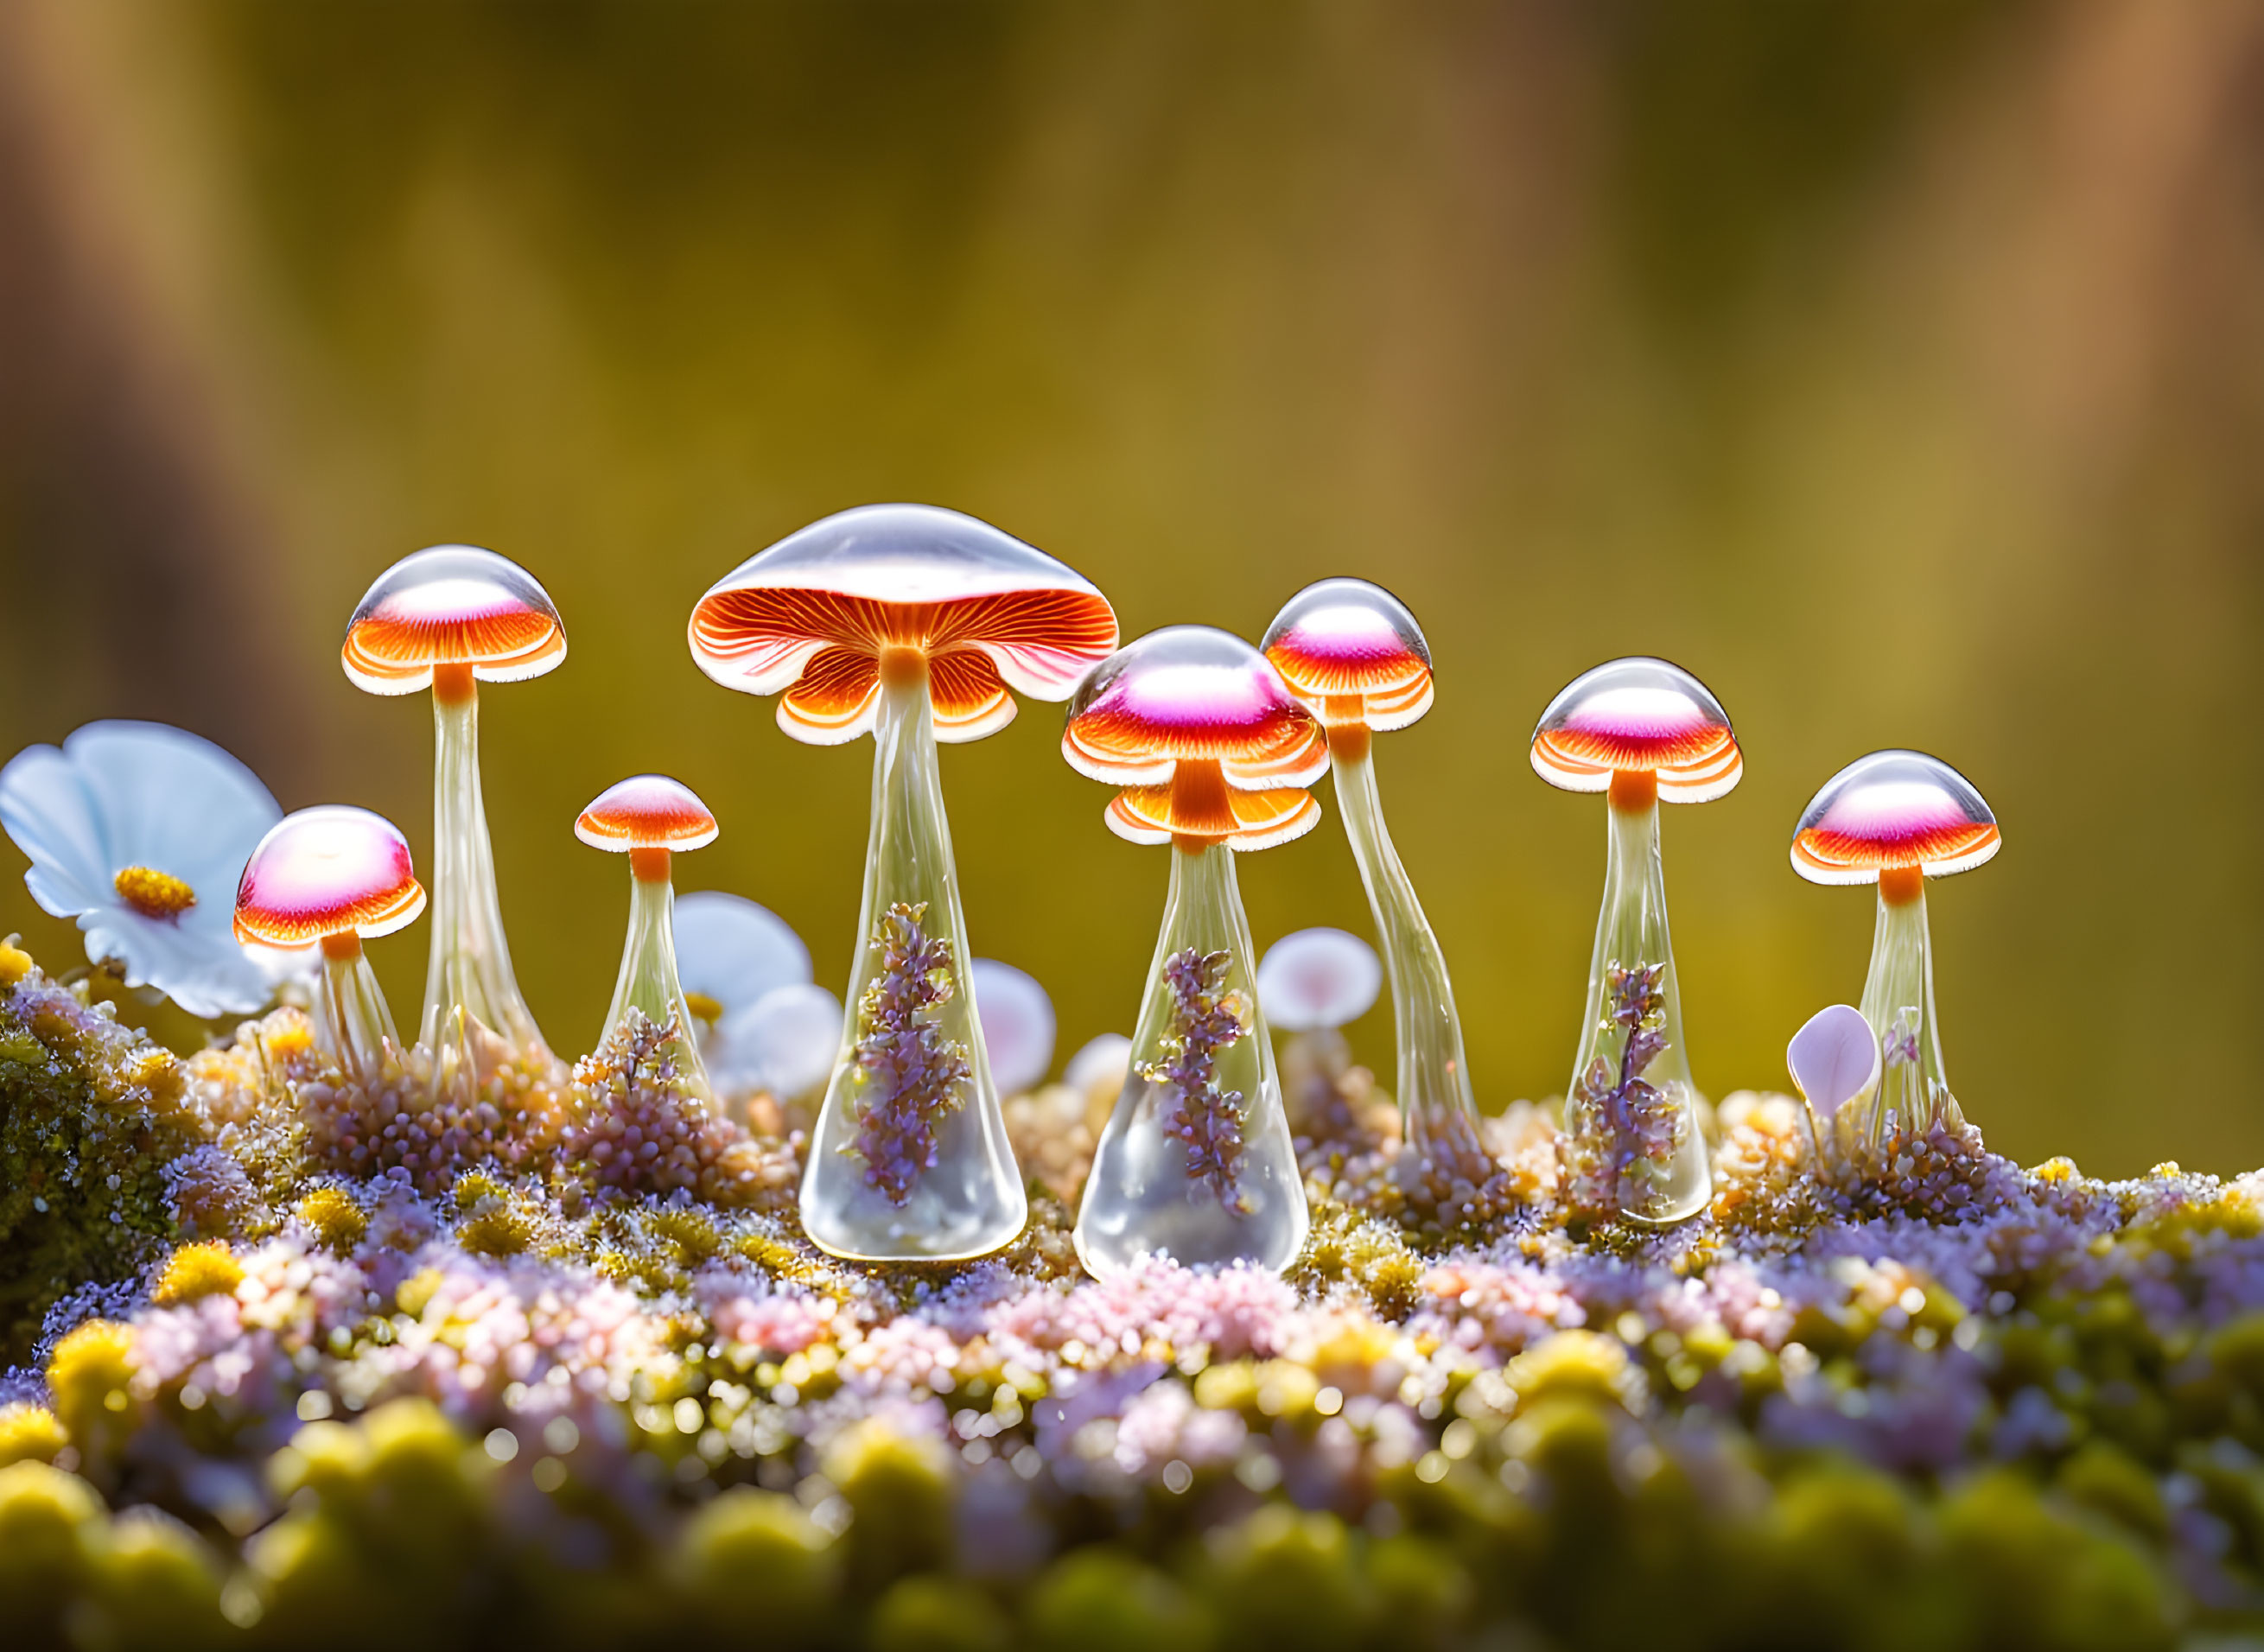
(353, 1024)
(911, 1160)
(1196, 1161)
(1437, 1112)
(473, 1008)
(648, 982)
(1631, 1145)
(1899, 1003)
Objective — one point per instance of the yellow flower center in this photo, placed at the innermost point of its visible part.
(153, 894)
(703, 1008)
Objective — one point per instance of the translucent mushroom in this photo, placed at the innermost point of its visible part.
(1896, 819)
(1352, 651)
(651, 819)
(1017, 1025)
(1643, 732)
(913, 624)
(449, 618)
(1213, 752)
(338, 876)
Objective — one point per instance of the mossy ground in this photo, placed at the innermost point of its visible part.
(263, 1398)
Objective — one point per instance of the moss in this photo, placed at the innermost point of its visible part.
(337, 1221)
(937, 1614)
(51, 1523)
(900, 1488)
(1290, 1575)
(195, 1271)
(30, 1433)
(1102, 1599)
(752, 1556)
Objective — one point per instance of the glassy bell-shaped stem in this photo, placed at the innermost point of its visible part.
(647, 981)
(1196, 1161)
(1437, 1112)
(1632, 1145)
(911, 1160)
(1899, 1003)
(353, 1024)
(471, 998)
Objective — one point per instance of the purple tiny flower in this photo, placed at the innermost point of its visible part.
(1902, 1042)
(912, 1074)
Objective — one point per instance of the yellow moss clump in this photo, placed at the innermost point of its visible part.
(29, 1434)
(337, 1221)
(1569, 1364)
(196, 1271)
(88, 1373)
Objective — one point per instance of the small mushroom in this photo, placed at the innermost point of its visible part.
(1017, 1025)
(1213, 752)
(1896, 819)
(1835, 1060)
(338, 876)
(915, 625)
(1316, 980)
(1643, 732)
(448, 618)
(651, 819)
(1354, 653)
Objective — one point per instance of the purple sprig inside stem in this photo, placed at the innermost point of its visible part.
(912, 1076)
(1205, 1020)
(1627, 1130)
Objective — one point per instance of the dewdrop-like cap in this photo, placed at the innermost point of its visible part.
(1638, 715)
(451, 605)
(1352, 651)
(1317, 979)
(1890, 810)
(327, 870)
(646, 811)
(809, 618)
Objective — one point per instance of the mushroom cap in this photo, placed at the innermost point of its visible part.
(1833, 1058)
(327, 870)
(734, 951)
(1893, 808)
(1317, 978)
(1347, 639)
(451, 605)
(1638, 715)
(1191, 692)
(1255, 820)
(1018, 1024)
(811, 615)
(646, 811)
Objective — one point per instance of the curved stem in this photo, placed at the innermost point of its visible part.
(910, 1160)
(1196, 1163)
(353, 1024)
(1436, 1109)
(647, 981)
(1631, 1145)
(472, 999)
(1899, 1003)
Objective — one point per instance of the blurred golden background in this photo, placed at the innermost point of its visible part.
(1896, 366)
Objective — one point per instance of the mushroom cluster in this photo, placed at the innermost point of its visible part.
(916, 626)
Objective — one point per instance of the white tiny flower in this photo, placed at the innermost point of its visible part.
(139, 831)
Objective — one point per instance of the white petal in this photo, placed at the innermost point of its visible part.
(1834, 1057)
(1317, 978)
(1106, 1060)
(45, 809)
(173, 800)
(734, 951)
(207, 975)
(789, 1040)
(1018, 1024)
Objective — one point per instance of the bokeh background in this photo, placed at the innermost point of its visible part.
(1898, 366)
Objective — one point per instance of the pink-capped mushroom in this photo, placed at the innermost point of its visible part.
(651, 819)
(335, 876)
(447, 619)
(1212, 753)
(1354, 653)
(915, 625)
(1643, 732)
(1896, 819)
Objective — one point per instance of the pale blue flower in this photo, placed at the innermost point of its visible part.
(141, 831)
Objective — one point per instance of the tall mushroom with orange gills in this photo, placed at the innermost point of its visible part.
(1354, 653)
(338, 876)
(1212, 753)
(1896, 819)
(448, 618)
(651, 819)
(1643, 732)
(915, 625)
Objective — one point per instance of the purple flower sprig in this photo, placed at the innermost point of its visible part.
(913, 1075)
(1205, 1019)
(1628, 1133)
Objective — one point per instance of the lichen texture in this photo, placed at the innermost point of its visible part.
(294, 1367)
